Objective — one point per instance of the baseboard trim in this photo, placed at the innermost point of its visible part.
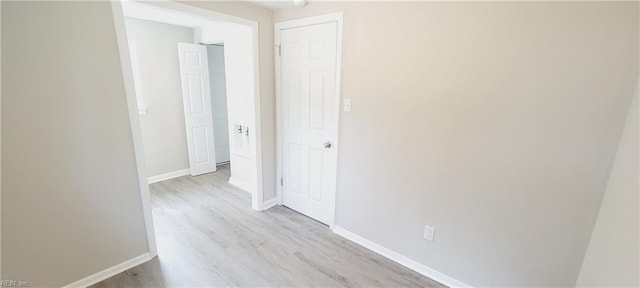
(399, 258)
(239, 184)
(269, 203)
(167, 176)
(112, 271)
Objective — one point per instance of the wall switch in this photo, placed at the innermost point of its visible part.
(347, 105)
(429, 233)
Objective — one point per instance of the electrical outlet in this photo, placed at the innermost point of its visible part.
(347, 105)
(429, 233)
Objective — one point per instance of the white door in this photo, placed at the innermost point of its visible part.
(219, 101)
(309, 118)
(196, 95)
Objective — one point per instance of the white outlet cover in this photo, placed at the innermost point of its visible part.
(347, 105)
(429, 233)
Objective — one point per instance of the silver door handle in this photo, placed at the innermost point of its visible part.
(327, 145)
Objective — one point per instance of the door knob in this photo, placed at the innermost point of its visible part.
(327, 145)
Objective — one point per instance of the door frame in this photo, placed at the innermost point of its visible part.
(308, 21)
(257, 195)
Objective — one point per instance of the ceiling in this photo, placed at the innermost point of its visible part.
(157, 14)
(273, 5)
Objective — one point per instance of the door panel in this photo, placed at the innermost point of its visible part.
(194, 89)
(196, 94)
(200, 141)
(308, 69)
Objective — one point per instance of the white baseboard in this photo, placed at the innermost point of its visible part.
(399, 258)
(112, 271)
(239, 184)
(167, 176)
(270, 203)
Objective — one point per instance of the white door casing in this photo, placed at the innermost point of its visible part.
(309, 118)
(196, 93)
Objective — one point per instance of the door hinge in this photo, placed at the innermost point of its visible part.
(279, 50)
(281, 182)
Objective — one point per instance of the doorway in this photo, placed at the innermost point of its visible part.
(235, 41)
(308, 89)
(215, 54)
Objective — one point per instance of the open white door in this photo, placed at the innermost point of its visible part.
(308, 69)
(196, 93)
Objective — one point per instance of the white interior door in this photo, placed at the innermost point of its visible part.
(309, 118)
(196, 93)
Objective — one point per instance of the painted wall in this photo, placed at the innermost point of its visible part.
(495, 123)
(163, 128)
(612, 257)
(264, 17)
(70, 197)
(0, 142)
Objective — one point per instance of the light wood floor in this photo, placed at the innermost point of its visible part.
(208, 235)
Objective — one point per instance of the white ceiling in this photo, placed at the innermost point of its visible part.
(147, 12)
(273, 5)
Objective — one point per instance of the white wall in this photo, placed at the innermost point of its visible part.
(163, 128)
(70, 194)
(496, 123)
(0, 142)
(612, 257)
(215, 55)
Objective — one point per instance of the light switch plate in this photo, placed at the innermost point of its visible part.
(429, 233)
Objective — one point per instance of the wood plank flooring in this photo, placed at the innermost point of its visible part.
(208, 236)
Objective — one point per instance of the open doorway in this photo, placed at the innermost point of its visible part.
(219, 103)
(192, 82)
